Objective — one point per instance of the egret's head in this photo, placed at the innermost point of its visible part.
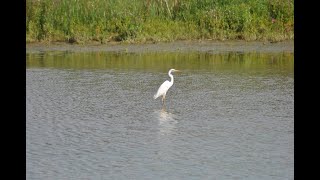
(174, 70)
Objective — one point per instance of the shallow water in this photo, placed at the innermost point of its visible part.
(93, 116)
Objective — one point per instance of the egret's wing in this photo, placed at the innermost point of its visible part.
(162, 89)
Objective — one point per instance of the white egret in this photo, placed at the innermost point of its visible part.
(162, 91)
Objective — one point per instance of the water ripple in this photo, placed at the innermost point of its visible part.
(104, 124)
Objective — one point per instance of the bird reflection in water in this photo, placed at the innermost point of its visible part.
(166, 121)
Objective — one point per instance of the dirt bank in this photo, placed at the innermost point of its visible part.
(177, 46)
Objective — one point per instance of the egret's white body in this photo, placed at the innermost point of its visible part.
(162, 91)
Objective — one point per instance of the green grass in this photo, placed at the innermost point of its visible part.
(152, 20)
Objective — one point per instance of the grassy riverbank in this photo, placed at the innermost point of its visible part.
(158, 20)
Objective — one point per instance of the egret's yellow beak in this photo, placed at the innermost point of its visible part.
(177, 71)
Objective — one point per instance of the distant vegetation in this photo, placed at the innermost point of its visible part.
(158, 20)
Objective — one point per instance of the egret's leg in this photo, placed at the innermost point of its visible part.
(163, 99)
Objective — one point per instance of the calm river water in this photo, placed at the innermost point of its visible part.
(93, 116)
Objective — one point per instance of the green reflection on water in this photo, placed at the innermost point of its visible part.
(162, 61)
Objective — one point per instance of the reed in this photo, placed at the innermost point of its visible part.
(138, 21)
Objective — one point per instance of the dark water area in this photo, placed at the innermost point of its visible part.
(92, 115)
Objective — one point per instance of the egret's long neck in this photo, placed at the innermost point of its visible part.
(170, 77)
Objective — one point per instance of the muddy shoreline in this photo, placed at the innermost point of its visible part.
(177, 46)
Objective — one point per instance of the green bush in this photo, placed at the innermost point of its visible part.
(138, 21)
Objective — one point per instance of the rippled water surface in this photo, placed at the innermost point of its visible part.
(93, 116)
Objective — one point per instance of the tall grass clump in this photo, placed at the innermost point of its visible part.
(158, 20)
